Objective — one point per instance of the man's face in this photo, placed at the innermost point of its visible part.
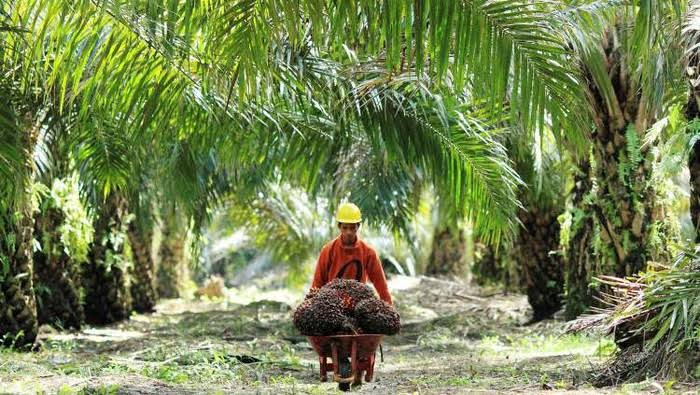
(348, 232)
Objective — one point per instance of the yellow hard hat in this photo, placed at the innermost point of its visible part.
(348, 213)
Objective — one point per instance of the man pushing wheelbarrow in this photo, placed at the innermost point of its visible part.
(341, 315)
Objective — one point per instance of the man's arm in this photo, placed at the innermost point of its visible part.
(375, 272)
(321, 274)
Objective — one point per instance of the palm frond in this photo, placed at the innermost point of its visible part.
(387, 191)
(543, 168)
(455, 142)
(658, 310)
(103, 155)
(642, 36)
(507, 51)
(284, 221)
(11, 157)
(164, 72)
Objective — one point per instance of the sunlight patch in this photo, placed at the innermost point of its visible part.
(99, 335)
(399, 283)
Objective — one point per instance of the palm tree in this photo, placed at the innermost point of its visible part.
(107, 297)
(26, 103)
(536, 253)
(61, 226)
(18, 137)
(629, 55)
(64, 232)
(624, 205)
(20, 120)
(641, 311)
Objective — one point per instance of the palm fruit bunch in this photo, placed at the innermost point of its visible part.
(350, 291)
(312, 292)
(345, 307)
(320, 315)
(377, 316)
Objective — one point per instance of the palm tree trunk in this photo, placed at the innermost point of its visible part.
(579, 260)
(692, 112)
(56, 275)
(624, 205)
(143, 290)
(623, 209)
(171, 273)
(18, 317)
(448, 253)
(486, 268)
(694, 167)
(541, 265)
(107, 297)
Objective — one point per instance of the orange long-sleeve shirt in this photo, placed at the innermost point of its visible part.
(335, 255)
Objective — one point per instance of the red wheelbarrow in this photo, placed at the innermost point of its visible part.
(360, 349)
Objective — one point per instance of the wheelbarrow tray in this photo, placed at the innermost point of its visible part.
(360, 349)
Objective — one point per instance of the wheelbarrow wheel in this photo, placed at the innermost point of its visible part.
(344, 369)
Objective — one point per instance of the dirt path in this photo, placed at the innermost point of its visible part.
(454, 340)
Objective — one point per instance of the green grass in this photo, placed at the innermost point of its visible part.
(189, 361)
(462, 381)
(173, 363)
(549, 344)
(190, 351)
(99, 390)
(440, 339)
